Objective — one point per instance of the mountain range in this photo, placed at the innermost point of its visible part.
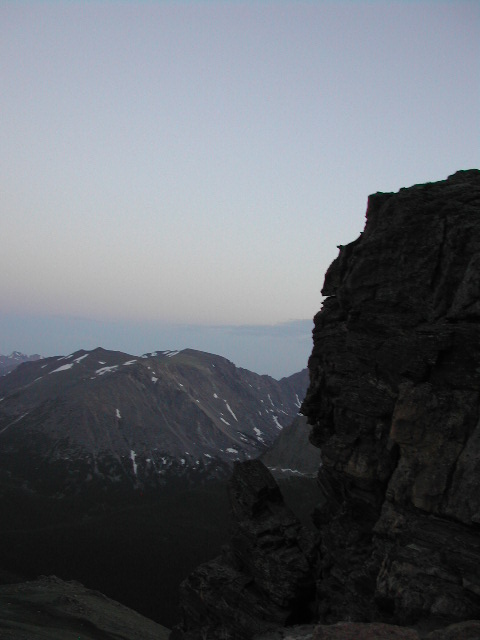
(113, 467)
(11, 362)
(109, 418)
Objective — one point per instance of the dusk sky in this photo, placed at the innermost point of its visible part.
(179, 174)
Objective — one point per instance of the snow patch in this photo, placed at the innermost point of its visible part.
(277, 424)
(229, 408)
(81, 358)
(63, 368)
(287, 471)
(106, 369)
(133, 455)
(117, 413)
(222, 419)
(129, 362)
(154, 379)
(298, 403)
(230, 450)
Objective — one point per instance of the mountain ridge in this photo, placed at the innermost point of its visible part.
(11, 362)
(107, 416)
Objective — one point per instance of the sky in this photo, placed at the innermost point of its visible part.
(180, 174)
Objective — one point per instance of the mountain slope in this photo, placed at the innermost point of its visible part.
(52, 609)
(9, 363)
(109, 417)
(292, 453)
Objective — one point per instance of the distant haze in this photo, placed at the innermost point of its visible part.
(174, 173)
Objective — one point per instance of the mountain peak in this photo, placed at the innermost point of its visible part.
(138, 420)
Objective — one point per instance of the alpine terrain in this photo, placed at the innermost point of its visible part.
(109, 418)
(9, 363)
(113, 467)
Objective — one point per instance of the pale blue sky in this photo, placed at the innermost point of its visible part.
(196, 163)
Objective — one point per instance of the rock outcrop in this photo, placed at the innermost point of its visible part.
(394, 401)
(394, 404)
(469, 630)
(52, 609)
(264, 579)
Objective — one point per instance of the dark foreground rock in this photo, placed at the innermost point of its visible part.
(394, 402)
(51, 609)
(264, 578)
(395, 405)
(469, 630)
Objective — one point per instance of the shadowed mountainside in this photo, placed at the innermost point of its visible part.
(112, 467)
(51, 609)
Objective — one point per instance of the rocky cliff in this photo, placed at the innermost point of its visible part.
(264, 579)
(394, 404)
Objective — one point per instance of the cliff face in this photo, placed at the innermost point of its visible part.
(394, 404)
